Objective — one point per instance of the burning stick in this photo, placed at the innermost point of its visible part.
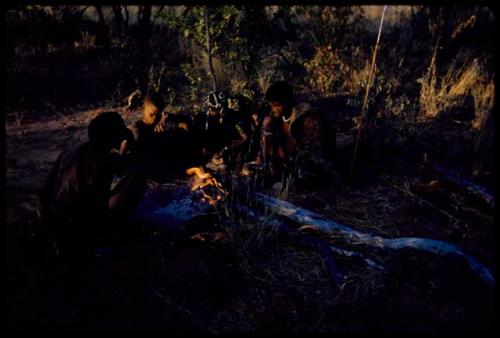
(172, 206)
(202, 180)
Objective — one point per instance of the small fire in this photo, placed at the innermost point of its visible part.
(202, 180)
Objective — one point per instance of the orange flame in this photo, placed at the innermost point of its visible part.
(202, 180)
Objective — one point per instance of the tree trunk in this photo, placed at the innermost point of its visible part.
(127, 17)
(209, 51)
(102, 36)
(118, 19)
(156, 16)
(144, 23)
(145, 55)
(100, 15)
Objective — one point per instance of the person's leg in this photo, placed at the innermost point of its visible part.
(124, 229)
(127, 194)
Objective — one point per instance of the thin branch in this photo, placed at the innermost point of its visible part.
(368, 86)
(157, 14)
(84, 10)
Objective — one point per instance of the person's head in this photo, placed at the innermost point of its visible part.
(280, 98)
(216, 102)
(152, 108)
(107, 131)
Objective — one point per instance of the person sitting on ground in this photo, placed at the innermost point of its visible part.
(243, 107)
(277, 145)
(222, 132)
(293, 135)
(79, 210)
(150, 144)
(164, 143)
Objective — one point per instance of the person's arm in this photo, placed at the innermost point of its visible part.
(160, 126)
(129, 142)
(135, 134)
(243, 137)
(266, 135)
(120, 160)
(123, 147)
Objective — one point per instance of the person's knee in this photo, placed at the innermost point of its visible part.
(128, 194)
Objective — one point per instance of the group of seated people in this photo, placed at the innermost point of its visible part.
(161, 146)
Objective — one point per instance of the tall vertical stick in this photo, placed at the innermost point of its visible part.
(209, 51)
(368, 86)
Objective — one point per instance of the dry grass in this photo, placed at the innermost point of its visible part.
(467, 79)
(241, 86)
(484, 98)
(263, 81)
(358, 79)
(329, 73)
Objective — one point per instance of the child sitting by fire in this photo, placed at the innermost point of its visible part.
(157, 138)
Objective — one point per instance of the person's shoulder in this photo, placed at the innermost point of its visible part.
(302, 108)
(71, 153)
(139, 129)
(308, 108)
(303, 105)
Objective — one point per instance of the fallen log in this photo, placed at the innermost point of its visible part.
(465, 184)
(306, 217)
(349, 253)
(325, 248)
